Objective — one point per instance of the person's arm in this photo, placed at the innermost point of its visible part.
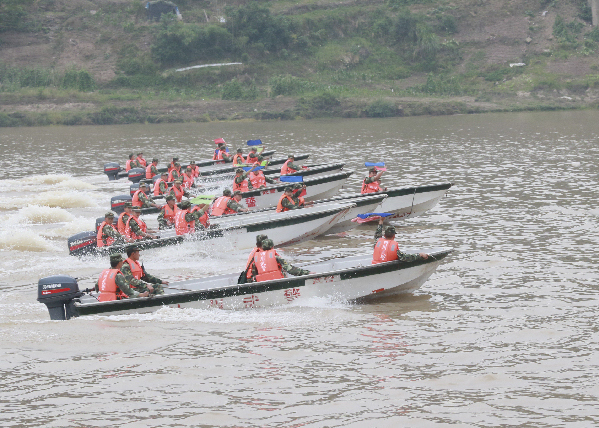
(163, 187)
(269, 180)
(114, 234)
(405, 257)
(131, 280)
(294, 166)
(162, 223)
(123, 284)
(137, 229)
(290, 269)
(379, 231)
(286, 203)
(235, 206)
(150, 278)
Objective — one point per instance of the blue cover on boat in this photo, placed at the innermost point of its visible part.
(292, 179)
(363, 216)
(247, 168)
(254, 142)
(374, 164)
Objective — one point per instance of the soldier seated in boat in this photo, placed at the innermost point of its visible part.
(178, 191)
(174, 173)
(107, 234)
(268, 265)
(227, 204)
(131, 163)
(135, 273)
(136, 228)
(254, 155)
(166, 218)
(152, 170)
(386, 249)
(224, 155)
(372, 183)
(286, 202)
(112, 284)
(141, 198)
(238, 159)
(257, 178)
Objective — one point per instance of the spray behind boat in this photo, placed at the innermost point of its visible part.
(59, 294)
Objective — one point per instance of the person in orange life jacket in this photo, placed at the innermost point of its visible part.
(135, 227)
(246, 275)
(238, 159)
(174, 173)
(136, 274)
(298, 189)
(253, 156)
(217, 155)
(140, 160)
(166, 218)
(188, 178)
(131, 163)
(286, 201)
(258, 180)
(123, 217)
(386, 249)
(194, 169)
(227, 204)
(241, 182)
(160, 185)
(224, 155)
(151, 169)
(107, 234)
(185, 221)
(113, 285)
(289, 167)
(141, 198)
(171, 165)
(178, 191)
(372, 183)
(268, 265)
(203, 221)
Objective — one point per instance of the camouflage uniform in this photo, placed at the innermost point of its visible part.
(255, 157)
(162, 222)
(226, 156)
(234, 205)
(135, 227)
(109, 231)
(163, 187)
(196, 216)
(297, 191)
(369, 180)
(123, 285)
(239, 179)
(294, 166)
(175, 174)
(154, 170)
(403, 257)
(291, 270)
(287, 204)
(139, 284)
(135, 164)
(185, 193)
(146, 201)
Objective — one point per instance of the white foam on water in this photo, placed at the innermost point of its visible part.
(45, 179)
(23, 240)
(77, 225)
(65, 199)
(74, 184)
(42, 215)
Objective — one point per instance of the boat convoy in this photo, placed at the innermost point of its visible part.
(260, 211)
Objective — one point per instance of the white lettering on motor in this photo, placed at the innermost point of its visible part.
(48, 286)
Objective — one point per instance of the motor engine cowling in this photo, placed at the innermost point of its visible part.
(117, 203)
(136, 174)
(111, 169)
(58, 293)
(82, 243)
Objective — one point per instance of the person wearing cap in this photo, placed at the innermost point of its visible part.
(227, 204)
(131, 163)
(123, 218)
(135, 273)
(268, 265)
(217, 153)
(286, 202)
(171, 165)
(166, 218)
(253, 156)
(224, 154)
(178, 191)
(186, 221)
(289, 167)
(386, 249)
(140, 160)
(246, 275)
(203, 218)
(372, 183)
(141, 199)
(151, 169)
(188, 178)
(174, 173)
(238, 158)
(107, 234)
(161, 185)
(194, 169)
(136, 228)
(112, 284)
(241, 182)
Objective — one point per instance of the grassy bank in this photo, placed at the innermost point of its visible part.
(62, 62)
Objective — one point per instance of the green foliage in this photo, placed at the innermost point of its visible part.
(235, 90)
(566, 32)
(584, 11)
(177, 42)
(13, 14)
(131, 61)
(287, 85)
(497, 74)
(13, 78)
(448, 24)
(256, 23)
(442, 85)
(111, 115)
(381, 108)
(593, 34)
(396, 4)
(78, 79)
(406, 26)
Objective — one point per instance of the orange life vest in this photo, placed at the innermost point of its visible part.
(280, 207)
(238, 159)
(195, 171)
(250, 160)
(250, 260)
(107, 286)
(136, 270)
(173, 174)
(136, 202)
(120, 224)
(181, 226)
(385, 250)
(157, 187)
(169, 214)
(99, 240)
(178, 193)
(141, 161)
(129, 233)
(370, 187)
(128, 165)
(220, 206)
(149, 173)
(257, 178)
(243, 186)
(204, 219)
(187, 180)
(171, 166)
(267, 266)
(286, 170)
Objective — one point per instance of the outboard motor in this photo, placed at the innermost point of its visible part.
(117, 203)
(112, 169)
(83, 243)
(58, 293)
(136, 174)
(133, 188)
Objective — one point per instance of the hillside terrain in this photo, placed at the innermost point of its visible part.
(104, 62)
